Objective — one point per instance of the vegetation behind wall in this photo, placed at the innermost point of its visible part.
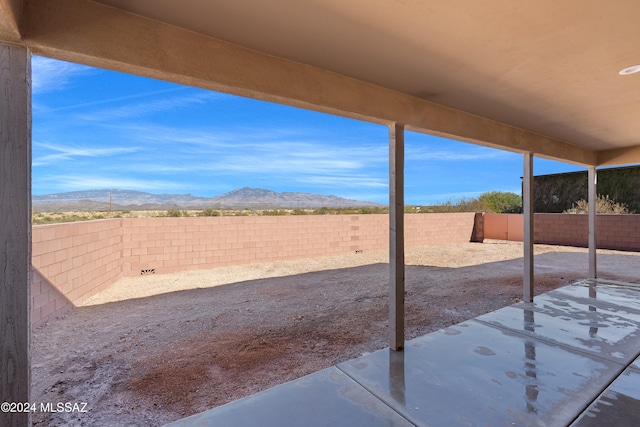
(559, 192)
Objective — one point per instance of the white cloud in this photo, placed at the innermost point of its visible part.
(50, 74)
(88, 182)
(140, 109)
(470, 153)
(168, 169)
(112, 100)
(298, 158)
(346, 181)
(255, 151)
(286, 163)
(62, 153)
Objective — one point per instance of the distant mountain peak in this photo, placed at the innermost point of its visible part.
(240, 198)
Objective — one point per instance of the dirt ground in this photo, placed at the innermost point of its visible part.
(153, 349)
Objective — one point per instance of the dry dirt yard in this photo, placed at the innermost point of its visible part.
(153, 349)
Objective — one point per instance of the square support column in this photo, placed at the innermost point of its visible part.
(527, 209)
(15, 229)
(396, 236)
(593, 182)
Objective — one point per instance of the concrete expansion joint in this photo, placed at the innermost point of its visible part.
(373, 394)
(551, 342)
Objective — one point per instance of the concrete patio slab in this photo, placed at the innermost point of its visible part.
(326, 398)
(592, 324)
(569, 357)
(475, 374)
(623, 295)
(619, 405)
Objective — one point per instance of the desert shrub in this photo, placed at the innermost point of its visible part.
(470, 205)
(501, 202)
(174, 212)
(44, 219)
(72, 218)
(208, 212)
(274, 212)
(604, 205)
(351, 211)
(367, 210)
(493, 201)
(460, 205)
(322, 211)
(299, 212)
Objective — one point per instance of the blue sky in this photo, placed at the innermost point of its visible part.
(98, 129)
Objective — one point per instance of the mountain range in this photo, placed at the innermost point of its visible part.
(241, 198)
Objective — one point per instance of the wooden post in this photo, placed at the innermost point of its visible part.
(396, 236)
(527, 208)
(593, 181)
(15, 229)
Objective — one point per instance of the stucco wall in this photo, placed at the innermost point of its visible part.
(504, 227)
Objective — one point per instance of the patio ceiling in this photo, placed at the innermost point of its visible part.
(536, 77)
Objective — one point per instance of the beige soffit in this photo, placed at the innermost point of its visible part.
(10, 16)
(526, 76)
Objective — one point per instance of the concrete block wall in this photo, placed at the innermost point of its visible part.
(74, 261)
(71, 263)
(477, 234)
(437, 229)
(562, 229)
(168, 245)
(47, 302)
(621, 232)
